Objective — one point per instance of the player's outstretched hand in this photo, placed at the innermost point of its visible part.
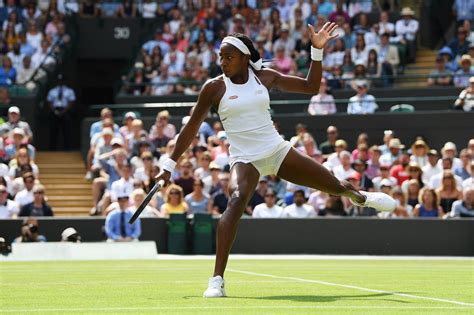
(165, 176)
(321, 38)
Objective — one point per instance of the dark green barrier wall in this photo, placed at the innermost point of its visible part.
(300, 236)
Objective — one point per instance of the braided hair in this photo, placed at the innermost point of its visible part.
(254, 55)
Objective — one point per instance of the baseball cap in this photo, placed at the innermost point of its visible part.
(263, 179)
(130, 115)
(70, 231)
(471, 80)
(18, 131)
(433, 152)
(222, 135)
(107, 131)
(115, 141)
(214, 166)
(14, 109)
(385, 182)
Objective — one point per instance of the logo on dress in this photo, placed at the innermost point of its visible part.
(233, 97)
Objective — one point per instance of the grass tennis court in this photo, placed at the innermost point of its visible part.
(253, 286)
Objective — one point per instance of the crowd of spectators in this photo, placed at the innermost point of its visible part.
(21, 193)
(32, 35)
(375, 41)
(125, 159)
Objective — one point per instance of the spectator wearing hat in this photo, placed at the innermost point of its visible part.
(394, 148)
(329, 146)
(447, 164)
(39, 207)
(407, 29)
(344, 170)
(432, 167)
(462, 76)
(449, 150)
(117, 227)
(258, 196)
(449, 59)
(18, 135)
(384, 175)
(212, 183)
(419, 150)
(465, 100)
(269, 208)
(400, 170)
(284, 41)
(334, 159)
(362, 103)
(8, 208)
(441, 75)
(126, 129)
(322, 103)
(387, 136)
(459, 45)
(70, 234)
(360, 166)
(373, 164)
(61, 100)
(464, 208)
(15, 122)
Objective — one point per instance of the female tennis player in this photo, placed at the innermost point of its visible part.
(241, 98)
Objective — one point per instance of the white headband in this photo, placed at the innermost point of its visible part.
(237, 43)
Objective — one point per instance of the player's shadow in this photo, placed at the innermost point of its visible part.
(329, 298)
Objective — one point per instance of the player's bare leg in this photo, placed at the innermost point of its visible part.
(243, 181)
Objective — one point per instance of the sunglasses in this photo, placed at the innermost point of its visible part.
(39, 192)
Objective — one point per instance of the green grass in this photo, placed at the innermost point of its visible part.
(175, 287)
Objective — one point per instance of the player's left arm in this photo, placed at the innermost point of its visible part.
(310, 84)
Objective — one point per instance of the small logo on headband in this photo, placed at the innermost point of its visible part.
(233, 97)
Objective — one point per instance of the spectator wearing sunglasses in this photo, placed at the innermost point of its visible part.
(174, 201)
(39, 207)
(268, 209)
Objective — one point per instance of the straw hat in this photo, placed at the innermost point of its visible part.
(395, 143)
(420, 143)
(407, 11)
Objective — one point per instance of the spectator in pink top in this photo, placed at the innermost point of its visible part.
(283, 63)
(322, 103)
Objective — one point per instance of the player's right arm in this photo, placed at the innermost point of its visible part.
(210, 95)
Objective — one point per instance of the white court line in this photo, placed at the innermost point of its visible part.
(160, 308)
(350, 287)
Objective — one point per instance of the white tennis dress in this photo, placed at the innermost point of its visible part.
(244, 111)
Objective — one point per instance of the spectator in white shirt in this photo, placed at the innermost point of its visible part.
(268, 209)
(8, 208)
(465, 99)
(462, 76)
(344, 170)
(449, 150)
(435, 181)
(299, 209)
(432, 167)
(385, 26)
(148, 9)
(25, 196)
(465, 207)
(322, 103)
(362, 103)
(384, 176)
(406, 30)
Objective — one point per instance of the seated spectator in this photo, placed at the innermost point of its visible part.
(26, 71)
(413, 192)
(465, 100)
(385, 26)
(469, 183)
(258, 196)
(334, 159)
(322, 103)
(464, 208)
(459, 45)
(400, 170)
(362, 103)
(174, 201)
(374, 68)
(384, 174)
(361, 150)
(137, 134)
(203, 171)
(8, 208)
(21, 162)
(117, 227)
(449, 150)
(283, 63)
(360, 167)
(395, 148)
(465, 171)
(299, 209)
(432, 167)
(7, 72)
(137, 196)
(15, 122)
(440, 76)
(389, 58)
(448, 193)
(30, 232)
(419, 151)
(42, 57)
(449, 59)
(268, 209)
(329, 146)
(138, 83)
(447, 165)
(162, 119)
(185, 180)
(96, 127)
(126, 128)
(122, 185)
(39, 207)
(403, 209)
(143, 173)
(163, 84)
(428, 205)
(309, 146)
(333, 207)
(407, 29)
(212, 183)
(198, 200)
(414, 172)
(373, 164)
(344, 170)
(220, 198)
(462, 76)
(19, 142)
(89, 8)
(353, 210)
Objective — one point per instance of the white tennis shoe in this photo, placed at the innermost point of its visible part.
(215, 288)
(377, 200)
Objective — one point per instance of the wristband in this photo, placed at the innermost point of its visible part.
(316, 54)
(169, 165)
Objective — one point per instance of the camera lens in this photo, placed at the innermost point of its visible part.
(33, 228)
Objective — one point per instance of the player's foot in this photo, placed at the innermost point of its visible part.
(377, 200)
(215, 288)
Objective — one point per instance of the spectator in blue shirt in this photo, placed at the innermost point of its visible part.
(157, 41)
(7, 72)
(459, 45)
(464, 208)
(116, 223)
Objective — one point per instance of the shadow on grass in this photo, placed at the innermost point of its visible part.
(319, 298)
